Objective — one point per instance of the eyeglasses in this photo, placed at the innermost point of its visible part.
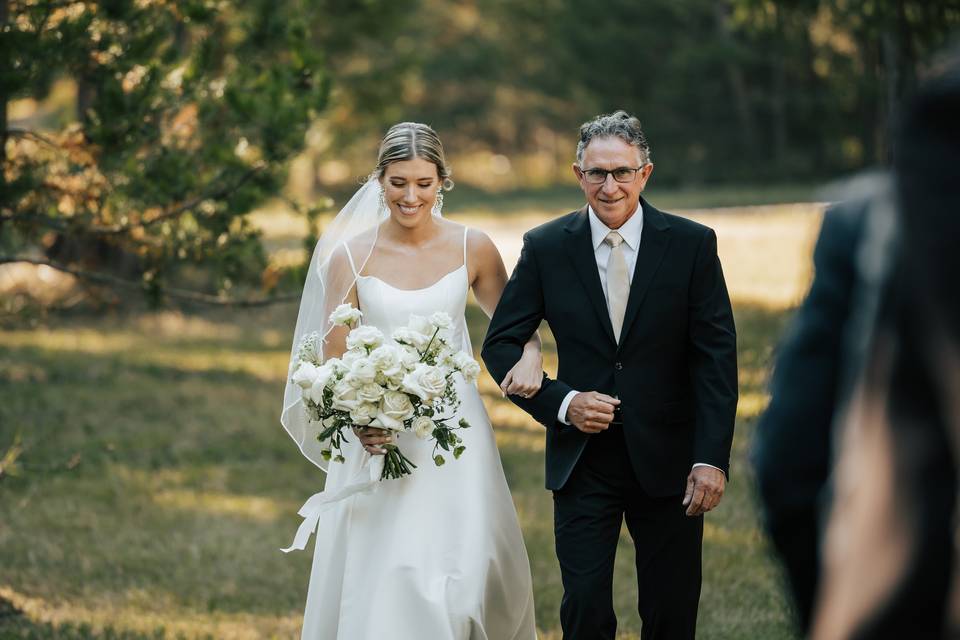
(620, 174)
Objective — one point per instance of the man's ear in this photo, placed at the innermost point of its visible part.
(576, 171)
(645, 174)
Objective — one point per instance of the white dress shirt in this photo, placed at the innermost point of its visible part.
(630, 231)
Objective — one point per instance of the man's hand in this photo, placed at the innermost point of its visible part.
(371, 437)
(705, 487)
(591, 411)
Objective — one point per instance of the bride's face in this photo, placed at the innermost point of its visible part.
(410, 189)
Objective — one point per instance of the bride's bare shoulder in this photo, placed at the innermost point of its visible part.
(481, 249)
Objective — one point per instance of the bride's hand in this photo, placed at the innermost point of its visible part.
(525, 377)
(371, 437)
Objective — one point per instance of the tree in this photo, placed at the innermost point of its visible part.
(185, 116)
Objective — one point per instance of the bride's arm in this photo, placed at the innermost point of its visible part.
(488, 278)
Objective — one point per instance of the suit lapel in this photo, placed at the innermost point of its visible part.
(579, 245)
(653, 246)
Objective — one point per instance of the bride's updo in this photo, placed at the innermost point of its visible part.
(409, 140)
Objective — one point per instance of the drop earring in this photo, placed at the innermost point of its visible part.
(438, 205)
(382, 203)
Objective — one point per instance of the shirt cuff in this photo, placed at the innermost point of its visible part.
(704, 464)
(562, 413)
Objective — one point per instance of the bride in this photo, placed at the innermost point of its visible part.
(436, 554)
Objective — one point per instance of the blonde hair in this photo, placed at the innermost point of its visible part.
(409, 140)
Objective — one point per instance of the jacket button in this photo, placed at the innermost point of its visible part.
(618, 366)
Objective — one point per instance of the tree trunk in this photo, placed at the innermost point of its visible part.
(735, 77)
(4, 11)
(779, 93)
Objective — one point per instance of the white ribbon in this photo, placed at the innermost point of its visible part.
(364, 481)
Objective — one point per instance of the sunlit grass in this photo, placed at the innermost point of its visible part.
(157, 485)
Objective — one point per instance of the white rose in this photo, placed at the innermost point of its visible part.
(467, 366)
(386, 359)
(344, 396)
(336, 365)
(315, 392)
(348, 358)
(409, 357)
(363, 414)
(362, 371)
(425, 382)
(323, 376)
(407, 336)
(370, 393)
(441, 320)
(325, 373)
(304, 376)
(423, 427)
(345, 315)
(421, 324)
(396, 405)
(394, 384)
(365, 338)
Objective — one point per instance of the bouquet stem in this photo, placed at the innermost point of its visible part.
(395, 464)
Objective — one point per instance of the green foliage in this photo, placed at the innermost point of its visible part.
(186, 114)
(729, 90)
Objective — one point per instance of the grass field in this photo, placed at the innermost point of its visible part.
(155, 484)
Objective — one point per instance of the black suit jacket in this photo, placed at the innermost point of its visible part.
(674, 369)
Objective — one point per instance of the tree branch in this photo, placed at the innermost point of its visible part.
(26, 133)
(221, 192)
(117, 229)
(172, 292)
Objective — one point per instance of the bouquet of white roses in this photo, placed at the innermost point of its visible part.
(405, 384)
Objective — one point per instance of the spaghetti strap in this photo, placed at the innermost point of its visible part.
(465, 230)
(350, 258)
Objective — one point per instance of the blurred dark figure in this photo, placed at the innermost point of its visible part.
(792, 455)
(875, 350)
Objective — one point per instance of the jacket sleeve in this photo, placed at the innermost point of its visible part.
(713, 358)
(517, 316)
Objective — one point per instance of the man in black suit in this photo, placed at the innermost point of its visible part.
(639, 421)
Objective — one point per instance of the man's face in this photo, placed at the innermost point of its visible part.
(613, 202)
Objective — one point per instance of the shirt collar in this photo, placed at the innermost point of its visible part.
(630, 231)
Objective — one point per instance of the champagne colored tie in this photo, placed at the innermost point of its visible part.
(618, 282)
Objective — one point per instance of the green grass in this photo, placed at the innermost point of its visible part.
(156, 485)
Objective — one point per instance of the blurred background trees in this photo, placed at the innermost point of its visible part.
(140, 134)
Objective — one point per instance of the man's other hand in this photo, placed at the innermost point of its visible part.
(705, 487)
(591, 411)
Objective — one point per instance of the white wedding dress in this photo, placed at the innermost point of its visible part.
(437, 555)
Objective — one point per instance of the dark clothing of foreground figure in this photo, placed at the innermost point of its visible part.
(886, 566)
(792, 450)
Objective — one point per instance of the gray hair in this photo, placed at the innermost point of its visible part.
(409, 140)
(619, 124)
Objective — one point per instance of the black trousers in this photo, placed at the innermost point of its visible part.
(589, 511)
